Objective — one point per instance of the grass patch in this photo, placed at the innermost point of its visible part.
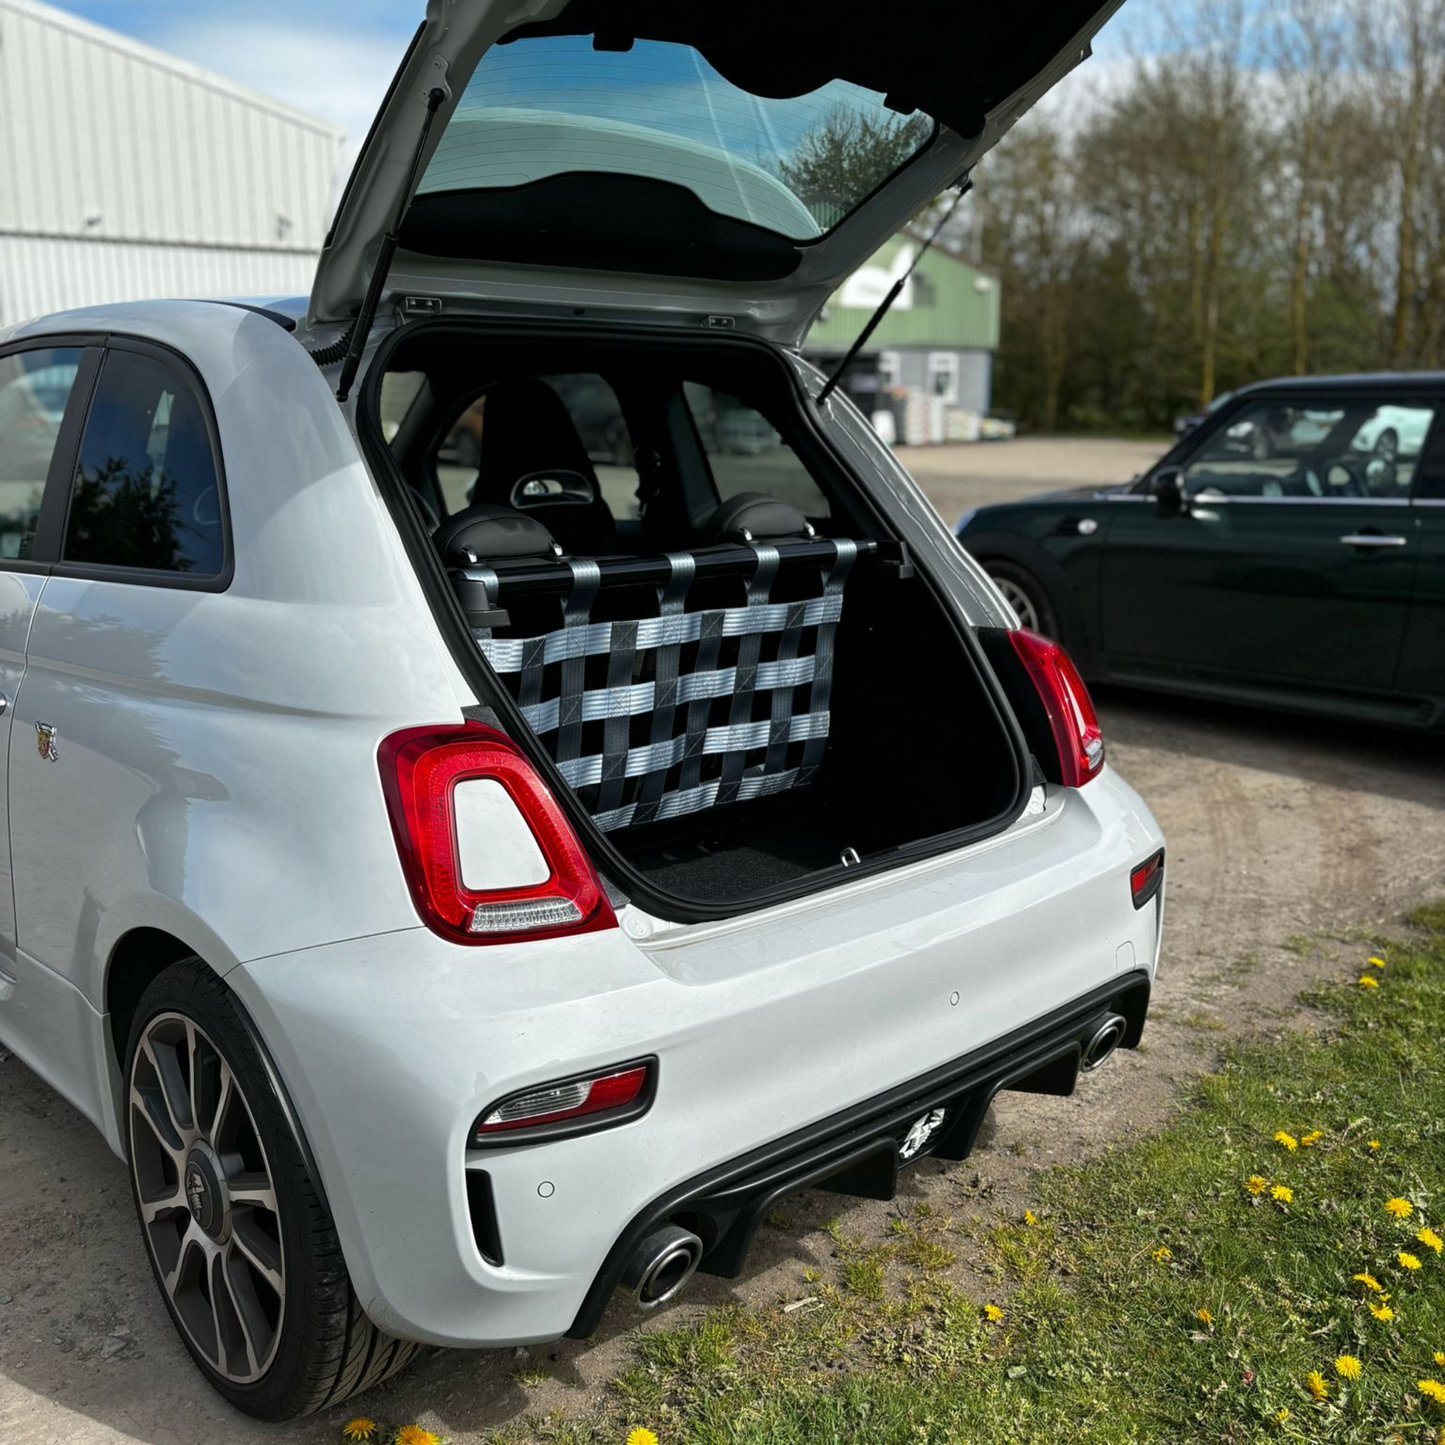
(1183, 1288)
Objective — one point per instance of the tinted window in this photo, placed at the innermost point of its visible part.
(544, 106)
(145, 490)
(1330, 450)
(747, 455)
(34, 388)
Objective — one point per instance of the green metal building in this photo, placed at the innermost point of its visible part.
(937, 342)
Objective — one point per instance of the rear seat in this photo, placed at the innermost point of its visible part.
(699, 691)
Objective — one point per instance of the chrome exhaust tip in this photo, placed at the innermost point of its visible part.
(1105, 1040)
(661, 1266)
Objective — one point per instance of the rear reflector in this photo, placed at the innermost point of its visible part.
(535, 882)
(618, 1094)
(1146, 879)
(1067, 704)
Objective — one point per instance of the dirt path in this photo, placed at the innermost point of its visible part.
(1277, 827)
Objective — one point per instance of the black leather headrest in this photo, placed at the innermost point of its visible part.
(490, 534)
(527, 429)
(757, 517)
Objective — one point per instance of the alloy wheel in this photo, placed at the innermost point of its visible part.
(1022, 604)
(207, 1198)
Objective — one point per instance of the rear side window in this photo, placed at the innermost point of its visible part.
(146, 493)
(34, 389)
(746, 454)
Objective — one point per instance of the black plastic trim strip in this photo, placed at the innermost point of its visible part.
(818, 450)
(570, 1128)
(837, 1138)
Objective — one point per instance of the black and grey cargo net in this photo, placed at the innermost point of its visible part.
(661, 716)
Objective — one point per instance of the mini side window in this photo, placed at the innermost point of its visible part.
(746, 454)
(34, 390)
(146, 493)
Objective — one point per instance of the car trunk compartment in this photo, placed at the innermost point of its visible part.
(741, 719)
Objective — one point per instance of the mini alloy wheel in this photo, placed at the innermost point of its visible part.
(207, 1198)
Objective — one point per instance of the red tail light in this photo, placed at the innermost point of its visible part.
(1066, 701)
(618, 1094)
(1145, 880)
(421, 770)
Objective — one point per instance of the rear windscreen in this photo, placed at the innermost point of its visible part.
(551, 105)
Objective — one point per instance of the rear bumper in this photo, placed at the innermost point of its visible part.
(860, 1151)
(820, 1023)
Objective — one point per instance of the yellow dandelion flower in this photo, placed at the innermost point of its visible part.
(415, 1435)
(1204, 1315)
(1431, 1239)
(1030, 1217)
(359, 1429)
(992, 1313)
(1315, 1384)
(641, 1436)
(1440, 1357)
(1369, 1281)
(1382, 1312)
(1408, 1261)
(1283, 1193)
(1374, 1144)
(1400, 1208)
(1162, 1255)
(1314, 1136)
(1347, 1367)
(1281, 1415)
(1378, 962)
(1432, 1390)
(1256, 1184)
(1369, 981)
(1287, 1140)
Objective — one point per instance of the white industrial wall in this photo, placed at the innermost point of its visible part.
(125, 173)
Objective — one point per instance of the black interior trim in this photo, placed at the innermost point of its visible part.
(598, 221)
(808, 440)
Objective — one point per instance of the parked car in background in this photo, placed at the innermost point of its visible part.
(1288, 552)
(1183, 425)
(466, 896)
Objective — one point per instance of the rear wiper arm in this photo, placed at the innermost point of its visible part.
(831, 385)
(361, 326)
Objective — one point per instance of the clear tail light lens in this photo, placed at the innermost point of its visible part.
(1067, 705)
(421, 770)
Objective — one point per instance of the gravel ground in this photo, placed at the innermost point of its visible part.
(1277, 827)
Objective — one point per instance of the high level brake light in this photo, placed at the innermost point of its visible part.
(1067, 705)
(522, 873)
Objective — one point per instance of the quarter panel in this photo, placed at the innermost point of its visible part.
(217, 750)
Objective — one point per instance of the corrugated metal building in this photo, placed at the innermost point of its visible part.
(127, 174)
(930, 362)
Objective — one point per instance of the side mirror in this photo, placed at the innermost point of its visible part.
(1168, 490)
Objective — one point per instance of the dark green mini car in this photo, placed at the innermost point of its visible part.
(1289, 552)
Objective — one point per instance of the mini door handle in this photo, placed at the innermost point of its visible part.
(1371, 539)
(4, 703)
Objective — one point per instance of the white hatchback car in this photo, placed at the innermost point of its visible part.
(478, 843)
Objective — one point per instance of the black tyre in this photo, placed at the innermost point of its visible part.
(243, 1247)
(1025, 594)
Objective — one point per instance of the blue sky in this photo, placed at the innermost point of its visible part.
(336, 61)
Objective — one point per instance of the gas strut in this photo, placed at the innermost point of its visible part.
(361, 326)
(894, 293)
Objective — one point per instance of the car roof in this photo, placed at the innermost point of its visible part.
(1355, 381)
